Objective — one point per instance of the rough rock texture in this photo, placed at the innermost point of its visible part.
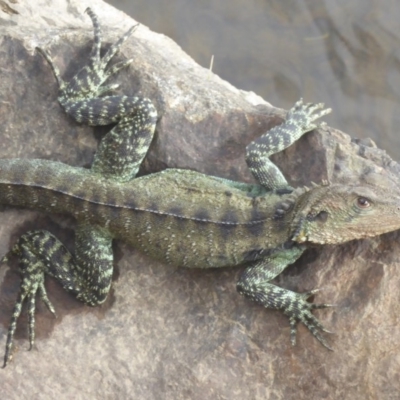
(168, 333)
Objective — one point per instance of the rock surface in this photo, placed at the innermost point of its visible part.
(169, 333)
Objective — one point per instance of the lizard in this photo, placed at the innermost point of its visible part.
(180, 217)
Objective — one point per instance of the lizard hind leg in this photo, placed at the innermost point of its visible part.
(87, 276)
(32, 271)
(89, 80)
(122, 150)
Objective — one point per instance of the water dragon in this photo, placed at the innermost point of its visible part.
(180, 217)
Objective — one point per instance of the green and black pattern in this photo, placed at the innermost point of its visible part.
(177, 216)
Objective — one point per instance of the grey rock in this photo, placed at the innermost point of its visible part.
(169, 333)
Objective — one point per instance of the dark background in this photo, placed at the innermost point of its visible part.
(345, 54)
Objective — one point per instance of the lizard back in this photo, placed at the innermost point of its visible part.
(183, 217)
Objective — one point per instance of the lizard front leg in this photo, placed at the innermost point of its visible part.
(299, 120)
(255, 284)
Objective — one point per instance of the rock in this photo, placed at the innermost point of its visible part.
(166, 332)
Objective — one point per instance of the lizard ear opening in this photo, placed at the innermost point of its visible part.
(311, 217)
(321, 217)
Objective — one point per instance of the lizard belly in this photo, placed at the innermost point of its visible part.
(193, 244)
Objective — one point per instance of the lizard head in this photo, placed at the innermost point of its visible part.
(339, 213)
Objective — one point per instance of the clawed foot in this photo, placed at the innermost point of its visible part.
(88, 82)
(31, 286)
(300, 310)
(305, 115)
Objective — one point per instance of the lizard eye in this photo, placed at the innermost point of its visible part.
(363, 202)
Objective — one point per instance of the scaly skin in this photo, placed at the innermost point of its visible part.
(177, 216)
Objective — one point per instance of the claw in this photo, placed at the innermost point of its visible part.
(300, 311)
(310, 293)
(319, 337)
(306, 115)
(118, 66)
(43, 295)
(323, 305)
(323, 113)
(31, 286)
(313, 325)
(115, 47)
(107, 89)
(54, 68)
(298, 103)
